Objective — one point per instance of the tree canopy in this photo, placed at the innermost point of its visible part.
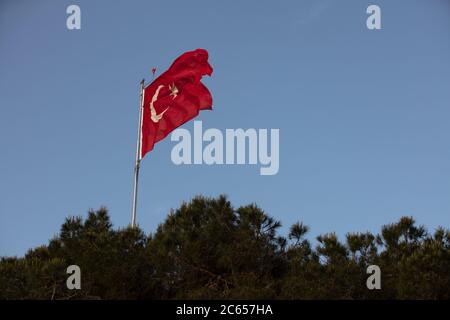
(207, 249)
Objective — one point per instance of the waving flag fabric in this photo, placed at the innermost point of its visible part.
(174, 98)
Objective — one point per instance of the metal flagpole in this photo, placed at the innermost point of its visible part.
(138, 156)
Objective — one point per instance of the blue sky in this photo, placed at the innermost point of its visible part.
(364, 116)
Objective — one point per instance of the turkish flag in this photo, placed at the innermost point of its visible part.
(174, 98)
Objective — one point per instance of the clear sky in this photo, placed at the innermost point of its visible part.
(364, 116)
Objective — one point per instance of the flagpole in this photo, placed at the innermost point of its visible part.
(138, 157)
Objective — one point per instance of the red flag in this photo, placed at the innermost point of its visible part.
(175, 97)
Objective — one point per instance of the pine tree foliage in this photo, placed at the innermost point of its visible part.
(207, 249)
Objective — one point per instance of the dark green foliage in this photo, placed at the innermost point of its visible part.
(206, 249)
